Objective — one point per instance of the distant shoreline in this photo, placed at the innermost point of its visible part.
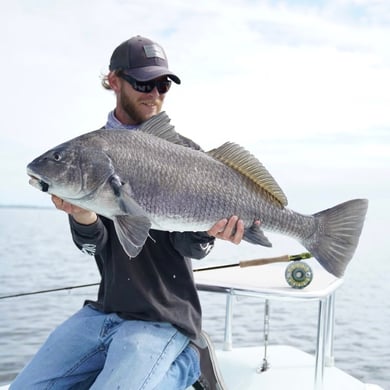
(23, 206)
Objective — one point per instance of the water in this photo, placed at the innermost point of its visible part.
(37, 254)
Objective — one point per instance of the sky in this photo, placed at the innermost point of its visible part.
(302, 84)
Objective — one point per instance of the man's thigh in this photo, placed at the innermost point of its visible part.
(140, 355)
(71, 353)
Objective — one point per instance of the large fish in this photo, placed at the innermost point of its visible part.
(147, 179)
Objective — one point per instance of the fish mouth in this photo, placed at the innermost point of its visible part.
(38, 182)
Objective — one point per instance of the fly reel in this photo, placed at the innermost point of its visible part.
(298, 274)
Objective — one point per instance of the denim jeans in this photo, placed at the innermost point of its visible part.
(94, 350)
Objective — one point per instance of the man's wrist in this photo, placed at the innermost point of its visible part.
(85, 218)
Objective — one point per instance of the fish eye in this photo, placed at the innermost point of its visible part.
(57, 156)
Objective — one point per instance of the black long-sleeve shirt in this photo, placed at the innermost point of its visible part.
(156, 285)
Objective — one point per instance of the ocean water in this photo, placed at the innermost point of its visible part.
(37, 254)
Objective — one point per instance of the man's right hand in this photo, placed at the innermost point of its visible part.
(80, 215)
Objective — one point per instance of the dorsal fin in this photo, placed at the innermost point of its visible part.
(238, 158)
(159, 125)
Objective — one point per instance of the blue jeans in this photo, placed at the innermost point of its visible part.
(94, 350)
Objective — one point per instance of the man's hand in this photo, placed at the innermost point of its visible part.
(228, 229)
(85, 217)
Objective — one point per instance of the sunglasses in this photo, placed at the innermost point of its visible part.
(147, 86)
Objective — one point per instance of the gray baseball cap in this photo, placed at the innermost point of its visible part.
(142, 59)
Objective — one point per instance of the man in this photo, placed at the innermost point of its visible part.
(144, 330)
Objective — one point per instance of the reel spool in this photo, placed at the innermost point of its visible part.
(298, 274)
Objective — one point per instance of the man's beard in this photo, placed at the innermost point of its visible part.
(132, 110)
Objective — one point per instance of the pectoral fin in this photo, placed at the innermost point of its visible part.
(255, 235)
(132, 232)
(133, 227)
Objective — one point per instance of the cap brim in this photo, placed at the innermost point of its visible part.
(151, 72)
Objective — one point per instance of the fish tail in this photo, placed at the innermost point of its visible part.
(337, 235)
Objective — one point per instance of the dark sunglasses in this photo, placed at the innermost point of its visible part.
(147, 86)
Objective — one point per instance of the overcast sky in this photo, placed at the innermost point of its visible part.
(303, 84)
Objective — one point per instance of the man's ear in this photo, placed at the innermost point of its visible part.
(114, 81)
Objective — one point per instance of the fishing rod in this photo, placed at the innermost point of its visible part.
(241, 264)
(263, 261)
(49, 290)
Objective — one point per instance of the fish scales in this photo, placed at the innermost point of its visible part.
(169, 181)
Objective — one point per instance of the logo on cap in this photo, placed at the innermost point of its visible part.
(154, 51)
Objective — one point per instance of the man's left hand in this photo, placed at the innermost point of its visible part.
(228, 229)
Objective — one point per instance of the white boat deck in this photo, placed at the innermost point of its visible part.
(290, 369)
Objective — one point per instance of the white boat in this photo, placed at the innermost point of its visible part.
(277, 367)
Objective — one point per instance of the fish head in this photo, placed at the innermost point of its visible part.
(70, 171)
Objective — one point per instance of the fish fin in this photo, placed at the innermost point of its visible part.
(133, 227)
(336, 238)
(238, 158)
(124, 194)
(132, 232)
(255, 235)
(159, 125)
